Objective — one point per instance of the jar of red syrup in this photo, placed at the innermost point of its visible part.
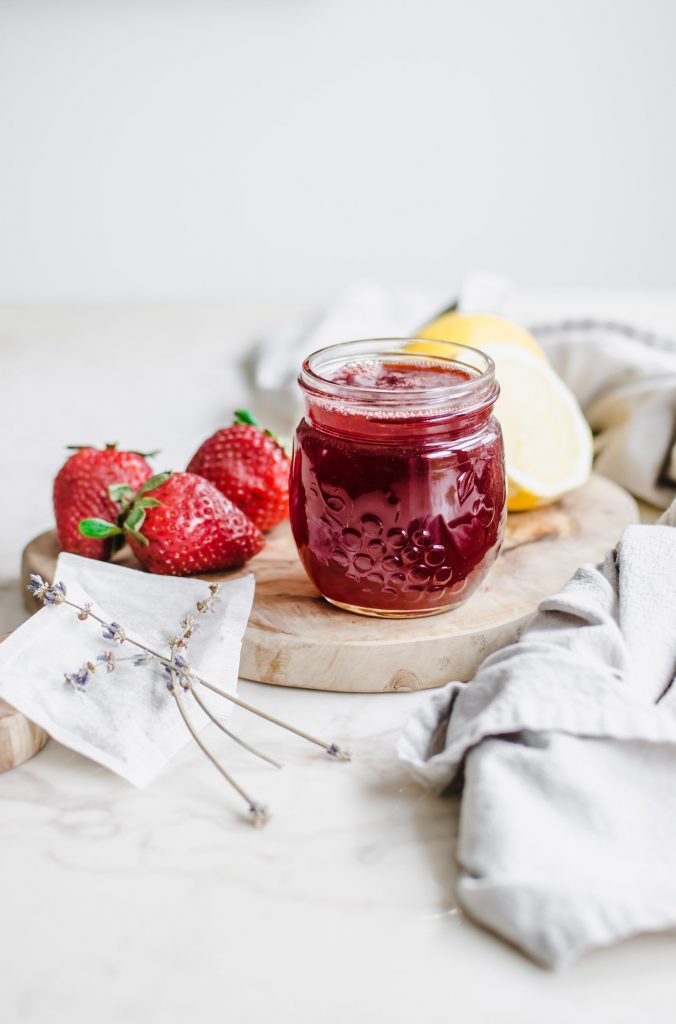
(398, 478)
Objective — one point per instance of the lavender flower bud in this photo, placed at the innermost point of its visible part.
(108, 659)
(78, 680)
(113, 631)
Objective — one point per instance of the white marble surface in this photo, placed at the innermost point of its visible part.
(158, 905)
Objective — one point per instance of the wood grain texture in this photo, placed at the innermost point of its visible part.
(19, 738)
(294, 638)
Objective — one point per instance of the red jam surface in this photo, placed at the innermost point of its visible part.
(397, 512)
(390, 376)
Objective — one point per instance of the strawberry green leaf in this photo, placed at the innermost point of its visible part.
(148, 503)
(98, 528)
(153, 482)
(242, 416)
(135, 519)
(120, 492)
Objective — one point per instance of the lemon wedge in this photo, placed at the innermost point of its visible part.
(478, 330)
(548, 443)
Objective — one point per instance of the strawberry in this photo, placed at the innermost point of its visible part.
(250, 467)
(81, 489)
(178, 524)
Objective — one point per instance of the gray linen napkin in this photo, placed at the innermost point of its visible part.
(565, 747)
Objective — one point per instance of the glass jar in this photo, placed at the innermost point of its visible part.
(398, 478)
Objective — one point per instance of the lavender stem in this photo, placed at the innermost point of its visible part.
(258, 813)
(232, 735)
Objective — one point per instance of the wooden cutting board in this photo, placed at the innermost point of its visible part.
(19, 738)
(294, 638)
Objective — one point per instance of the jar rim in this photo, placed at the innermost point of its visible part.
(470, 393)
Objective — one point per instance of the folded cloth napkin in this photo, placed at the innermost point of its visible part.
(565, 747)
(624, 379)
(125, 720)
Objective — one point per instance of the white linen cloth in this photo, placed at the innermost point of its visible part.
(565, 743)
(125, 720)
(624, 379)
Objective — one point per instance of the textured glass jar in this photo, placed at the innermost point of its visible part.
(398, 478)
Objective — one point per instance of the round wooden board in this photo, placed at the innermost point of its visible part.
(294, 638)
(19, 738)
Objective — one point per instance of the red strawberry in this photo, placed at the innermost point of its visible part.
(180, 525)
(250, 467)
(81, 490)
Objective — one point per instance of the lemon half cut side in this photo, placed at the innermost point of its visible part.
(548, 443)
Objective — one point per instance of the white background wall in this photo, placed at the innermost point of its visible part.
(181, 149)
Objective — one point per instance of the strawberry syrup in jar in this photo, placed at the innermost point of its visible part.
(398, 477)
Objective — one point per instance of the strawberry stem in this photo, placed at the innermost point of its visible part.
(243, 416)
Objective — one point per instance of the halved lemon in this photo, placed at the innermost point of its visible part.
(548, 443)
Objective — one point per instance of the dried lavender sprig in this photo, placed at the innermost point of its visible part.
(258, 813)
(56, 594)
(38, 587)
